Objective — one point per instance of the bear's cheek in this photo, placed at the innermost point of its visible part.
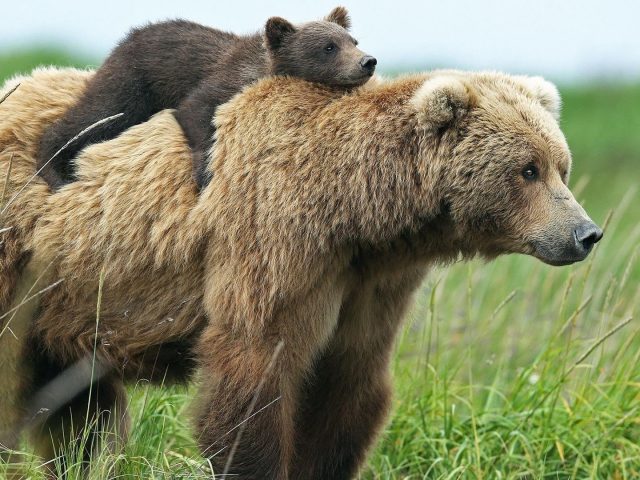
(529, 215)
(511, 215)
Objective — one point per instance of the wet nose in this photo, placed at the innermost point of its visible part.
(586, 236)
(368, 63)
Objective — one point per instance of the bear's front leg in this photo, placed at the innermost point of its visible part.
(250, 388)
(347, 398)
(244, 418)
(343, 410)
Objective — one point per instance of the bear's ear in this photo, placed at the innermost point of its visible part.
(545, 92)
(340, 16)
(276, 31)
(440, 101)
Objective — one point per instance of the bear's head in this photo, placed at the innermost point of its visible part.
(321, 51)
(505, 165)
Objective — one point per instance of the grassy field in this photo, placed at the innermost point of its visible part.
(504, 370)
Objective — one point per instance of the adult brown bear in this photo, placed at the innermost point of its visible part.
(286, 280)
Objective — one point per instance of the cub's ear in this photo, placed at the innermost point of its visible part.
(545, 92)
(276, 31)
(340, 16)
(440, 101)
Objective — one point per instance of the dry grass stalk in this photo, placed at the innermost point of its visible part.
(6, 95)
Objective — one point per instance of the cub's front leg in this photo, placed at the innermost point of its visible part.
(195, 116)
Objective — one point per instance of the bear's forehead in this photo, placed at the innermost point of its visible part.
(324, 29)
(516, 133)
(507, 119)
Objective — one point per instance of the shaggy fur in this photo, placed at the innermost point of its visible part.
(194, 68)
(325, 213)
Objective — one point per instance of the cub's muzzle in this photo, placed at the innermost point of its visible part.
(368, 64)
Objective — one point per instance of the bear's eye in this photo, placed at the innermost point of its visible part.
(330, 48)
(530, 172)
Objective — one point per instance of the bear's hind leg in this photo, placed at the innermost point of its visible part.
(90, 421)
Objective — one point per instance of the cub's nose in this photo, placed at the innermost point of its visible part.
(586, 236)
(368, 63)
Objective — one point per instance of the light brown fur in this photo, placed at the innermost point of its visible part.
(325, 212)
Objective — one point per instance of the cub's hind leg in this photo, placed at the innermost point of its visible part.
(114, 89)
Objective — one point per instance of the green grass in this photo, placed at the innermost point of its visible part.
(23, 61)
(510, 369)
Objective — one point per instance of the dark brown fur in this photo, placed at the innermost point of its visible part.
(194, 68)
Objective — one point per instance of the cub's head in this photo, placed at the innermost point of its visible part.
(321, 51)
(505, 165)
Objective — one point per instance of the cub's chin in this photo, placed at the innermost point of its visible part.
(354, 82)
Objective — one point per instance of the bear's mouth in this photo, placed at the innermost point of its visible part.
(557, 263)
(554, 255)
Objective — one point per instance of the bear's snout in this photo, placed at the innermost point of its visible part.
(368, 64)
(586, 236)
(570, 245)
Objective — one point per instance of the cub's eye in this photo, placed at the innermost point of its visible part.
(330, 48)
(530, 172)
(355, 42)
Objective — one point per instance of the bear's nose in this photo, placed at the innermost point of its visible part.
(368, 63)
(587, 235)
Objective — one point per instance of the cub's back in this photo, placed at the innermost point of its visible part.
(173, 56)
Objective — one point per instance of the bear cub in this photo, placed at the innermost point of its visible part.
(194, 69)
